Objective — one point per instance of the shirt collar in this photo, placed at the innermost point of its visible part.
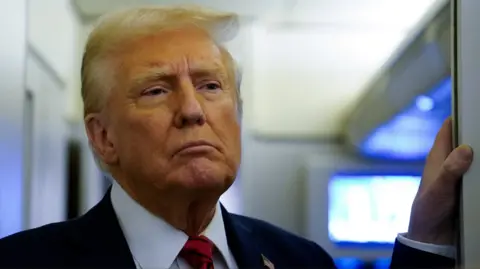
(153, 242)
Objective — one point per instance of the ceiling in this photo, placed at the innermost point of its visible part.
(249, 8)
(399, 14)
(340, 27)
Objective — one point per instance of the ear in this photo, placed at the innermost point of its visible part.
(100, 140)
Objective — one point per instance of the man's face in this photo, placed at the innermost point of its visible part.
(172, 118)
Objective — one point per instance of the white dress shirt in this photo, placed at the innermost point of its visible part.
(443, 250)
(156, 244)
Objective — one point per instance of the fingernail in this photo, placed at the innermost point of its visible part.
(465, 152)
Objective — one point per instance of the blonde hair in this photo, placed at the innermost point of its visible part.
(116, 28)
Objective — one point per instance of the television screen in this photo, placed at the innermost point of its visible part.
(370, 208)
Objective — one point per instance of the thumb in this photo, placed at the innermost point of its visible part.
(442, 148)
(457, 163)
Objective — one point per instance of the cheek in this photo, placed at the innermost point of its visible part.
(142, 134)
(225, 123)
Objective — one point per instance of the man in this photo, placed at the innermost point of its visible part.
(162, 105)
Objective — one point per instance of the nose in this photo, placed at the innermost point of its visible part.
(190, 111)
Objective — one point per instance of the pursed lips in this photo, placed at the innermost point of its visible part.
(195, 147)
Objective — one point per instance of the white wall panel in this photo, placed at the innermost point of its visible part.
(12, 94)
(47, 192)
(53, 32)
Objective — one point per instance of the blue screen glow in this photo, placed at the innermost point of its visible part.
(411, 133)
(348, 263)
(356, 263)
(369, 209)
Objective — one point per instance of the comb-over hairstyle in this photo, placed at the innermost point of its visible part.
(115, 28)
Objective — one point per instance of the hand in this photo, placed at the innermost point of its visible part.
(433, 210)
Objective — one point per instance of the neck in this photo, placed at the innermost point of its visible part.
(183, 210)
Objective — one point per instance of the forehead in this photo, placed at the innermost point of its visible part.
(173, 50)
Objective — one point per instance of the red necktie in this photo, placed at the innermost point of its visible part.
(198, 252)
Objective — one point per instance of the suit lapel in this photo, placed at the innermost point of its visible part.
(101, 237)
(241, 242)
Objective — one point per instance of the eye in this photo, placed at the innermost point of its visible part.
(210, 86)
(154, 91)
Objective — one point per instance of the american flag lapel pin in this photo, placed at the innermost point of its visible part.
(267, 263)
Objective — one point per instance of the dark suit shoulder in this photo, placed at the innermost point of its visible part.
(34, 245)
(36, 235)
(278, 243)
(268, 230)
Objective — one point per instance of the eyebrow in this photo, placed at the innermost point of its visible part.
(158, 72)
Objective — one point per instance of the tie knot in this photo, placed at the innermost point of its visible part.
(198, 252)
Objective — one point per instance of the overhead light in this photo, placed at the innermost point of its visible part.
(424, 103)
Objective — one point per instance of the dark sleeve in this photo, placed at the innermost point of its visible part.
(405, 257)
(321, 259)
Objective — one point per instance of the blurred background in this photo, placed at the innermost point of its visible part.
(342, 101)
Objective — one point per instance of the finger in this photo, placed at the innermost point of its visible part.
(443, 144)
(438, 154)
(456, 164)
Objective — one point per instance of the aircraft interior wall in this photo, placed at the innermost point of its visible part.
(48, 173)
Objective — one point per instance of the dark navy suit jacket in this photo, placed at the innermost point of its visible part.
(95, 240)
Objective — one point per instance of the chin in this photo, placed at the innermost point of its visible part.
(204, 174)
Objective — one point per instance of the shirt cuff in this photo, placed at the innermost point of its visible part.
(442, 250)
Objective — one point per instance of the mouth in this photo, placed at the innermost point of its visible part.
(195, 147)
